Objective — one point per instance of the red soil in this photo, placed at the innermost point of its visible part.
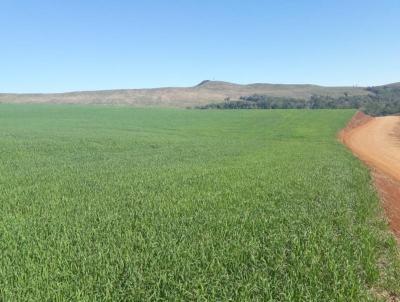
(376, 141)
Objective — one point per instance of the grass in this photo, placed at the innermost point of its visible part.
(122, 204)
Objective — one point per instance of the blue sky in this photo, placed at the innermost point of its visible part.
(55, 46)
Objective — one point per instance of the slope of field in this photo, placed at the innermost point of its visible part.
(377, 142)
(202, 94)
(121, 204)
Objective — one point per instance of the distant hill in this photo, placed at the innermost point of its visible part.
(204, 93)
(394, 85)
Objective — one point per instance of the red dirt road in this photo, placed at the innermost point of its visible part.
(376, 141)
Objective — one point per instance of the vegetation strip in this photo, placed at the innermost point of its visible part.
(381, 100)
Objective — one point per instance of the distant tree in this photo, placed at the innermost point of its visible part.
(382, 100)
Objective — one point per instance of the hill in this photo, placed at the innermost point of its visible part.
(204, 93)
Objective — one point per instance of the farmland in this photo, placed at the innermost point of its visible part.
(102, 203)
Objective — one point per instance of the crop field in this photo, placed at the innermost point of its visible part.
(123, 204)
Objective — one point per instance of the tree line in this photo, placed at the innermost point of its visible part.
(382, 100)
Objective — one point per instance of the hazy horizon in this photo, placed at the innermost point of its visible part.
(189, 86)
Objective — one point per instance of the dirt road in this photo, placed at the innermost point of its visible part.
(376, 141)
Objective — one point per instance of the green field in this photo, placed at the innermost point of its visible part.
(122, 204)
